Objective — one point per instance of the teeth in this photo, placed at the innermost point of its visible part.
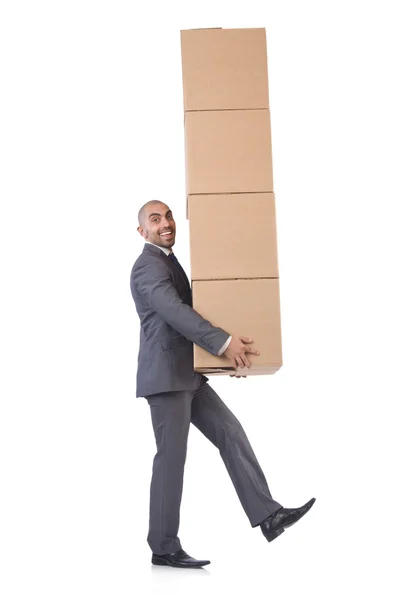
(167, 233)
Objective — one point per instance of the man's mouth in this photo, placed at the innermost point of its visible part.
(166, 234)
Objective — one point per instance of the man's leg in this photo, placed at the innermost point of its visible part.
(216, 421)
(170, 414)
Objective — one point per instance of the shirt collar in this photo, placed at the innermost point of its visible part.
(165, 250)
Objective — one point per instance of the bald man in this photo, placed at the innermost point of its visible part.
(178, 396)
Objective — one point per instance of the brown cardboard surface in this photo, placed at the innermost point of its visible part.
(224, 68)
(242, 307)
(233, 236)
(228, 151)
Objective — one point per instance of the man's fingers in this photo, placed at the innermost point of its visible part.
(251, 350)
(246, 361)
(237, 376)
(246, 340)
(239, 361)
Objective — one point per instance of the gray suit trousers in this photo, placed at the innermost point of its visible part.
(172, 413)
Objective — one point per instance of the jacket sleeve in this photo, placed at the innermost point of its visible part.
(154, 284)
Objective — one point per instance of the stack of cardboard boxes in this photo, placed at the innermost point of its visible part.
(229, 188)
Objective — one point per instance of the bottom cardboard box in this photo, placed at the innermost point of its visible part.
(242, 307)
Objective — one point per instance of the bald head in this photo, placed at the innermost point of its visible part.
(144, 210)
(156, 223)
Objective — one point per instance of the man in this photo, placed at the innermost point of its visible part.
(178, 396)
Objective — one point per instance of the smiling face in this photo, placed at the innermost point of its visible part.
(156, 224)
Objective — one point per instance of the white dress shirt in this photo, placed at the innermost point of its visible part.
(226, 344)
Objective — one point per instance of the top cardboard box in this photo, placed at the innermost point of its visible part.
(224, 69)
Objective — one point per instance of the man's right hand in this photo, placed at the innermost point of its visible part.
(237, 350)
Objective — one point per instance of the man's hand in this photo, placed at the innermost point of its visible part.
(237, 350)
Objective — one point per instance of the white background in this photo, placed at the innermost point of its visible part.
(91, 128)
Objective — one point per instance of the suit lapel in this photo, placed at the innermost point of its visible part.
(174, 268)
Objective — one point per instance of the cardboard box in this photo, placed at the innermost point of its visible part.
(243, 307)
(224, 68)
(228, 151)
(223, 246)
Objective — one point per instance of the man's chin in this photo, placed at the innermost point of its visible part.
(167, 243)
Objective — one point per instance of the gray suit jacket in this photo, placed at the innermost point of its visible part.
(169, 326)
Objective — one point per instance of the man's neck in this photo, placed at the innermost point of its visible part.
(165, 250)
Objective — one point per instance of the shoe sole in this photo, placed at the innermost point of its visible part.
(163, 563)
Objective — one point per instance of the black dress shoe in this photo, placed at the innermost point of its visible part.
(178, 559)
(274, 525)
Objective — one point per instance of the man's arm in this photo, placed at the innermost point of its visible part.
(155, 286)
